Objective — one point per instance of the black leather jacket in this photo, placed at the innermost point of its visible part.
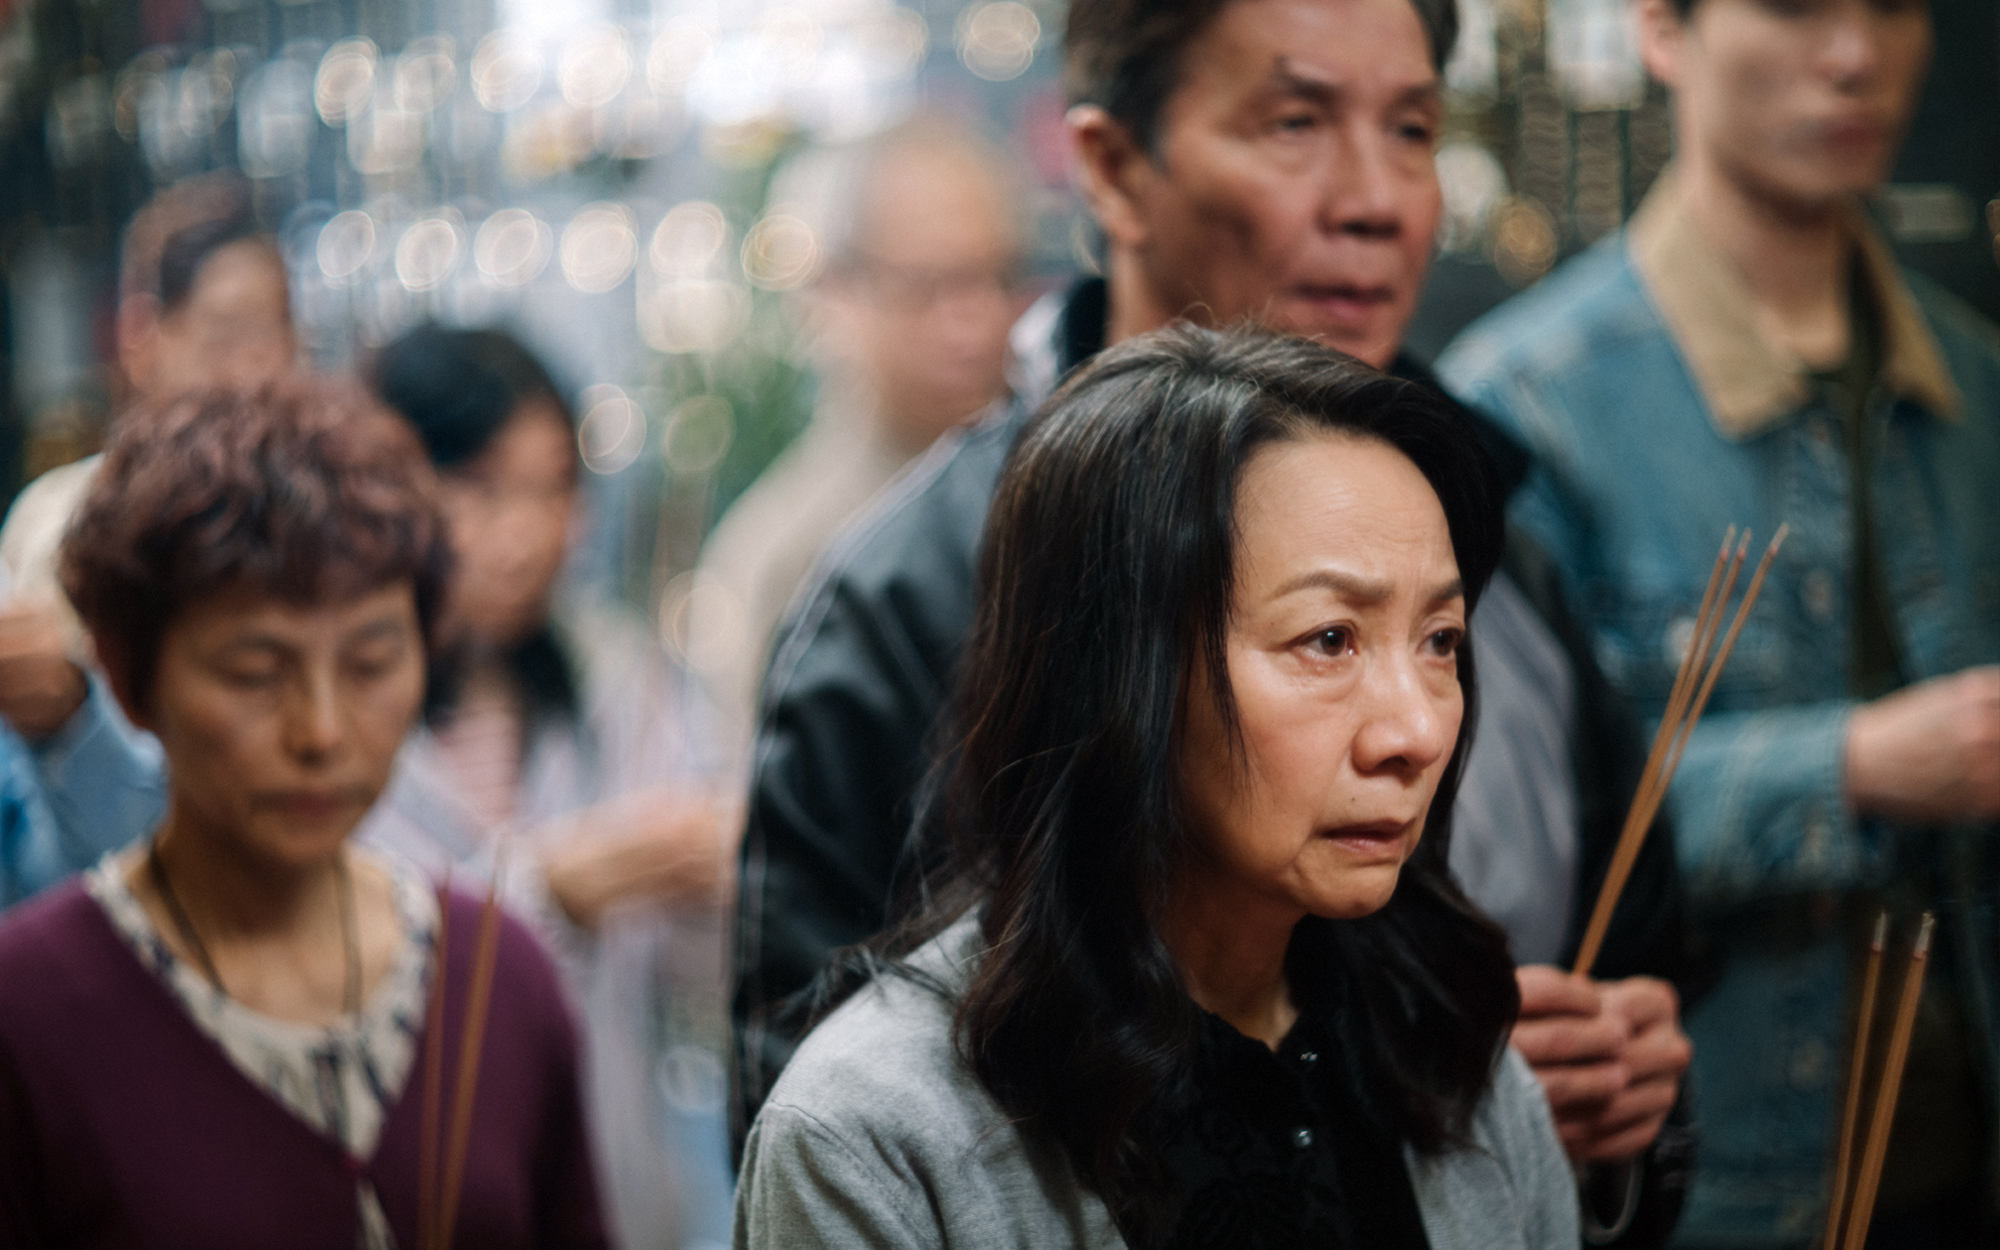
(864, 665)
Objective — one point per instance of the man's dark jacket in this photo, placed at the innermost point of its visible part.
(864, 665)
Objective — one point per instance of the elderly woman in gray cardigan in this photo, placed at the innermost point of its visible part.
(1188, 968)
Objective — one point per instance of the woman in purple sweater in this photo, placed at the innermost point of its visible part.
(218, 1039)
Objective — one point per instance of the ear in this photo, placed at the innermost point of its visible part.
(138, 332)
(1115, 173)
(1662, 37)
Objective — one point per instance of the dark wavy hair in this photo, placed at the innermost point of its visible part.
(305, 489)
(1105, 577)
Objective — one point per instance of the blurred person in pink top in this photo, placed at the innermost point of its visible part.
(560, 746)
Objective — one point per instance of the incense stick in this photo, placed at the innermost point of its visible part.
(472, 1040)
(1888, 1088)
(1856, 1078)
(1670, 739)
(433, 1100)
(1720, 578)
(1704, 627)
(1722, 656)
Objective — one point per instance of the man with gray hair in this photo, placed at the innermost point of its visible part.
(907, 324)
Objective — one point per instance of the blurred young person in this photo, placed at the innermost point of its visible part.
(558, 739)
(1246, 160)
(213, 1039)
(203, 302)
(1747, 352)
(1197, 973)
(908, 329)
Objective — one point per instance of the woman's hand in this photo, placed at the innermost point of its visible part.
(664, 845)
(1609, 1055)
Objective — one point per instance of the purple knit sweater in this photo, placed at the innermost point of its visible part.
(123, 1125)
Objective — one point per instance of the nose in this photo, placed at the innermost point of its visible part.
(1363, 192)
(1851, 50)
(313, 724)
(1408, 724)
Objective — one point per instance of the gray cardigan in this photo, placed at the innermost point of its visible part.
(878, 1136)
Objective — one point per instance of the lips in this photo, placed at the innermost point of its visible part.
(1344, 304)
(1849, 134)
(1373, 839)
(309, 806)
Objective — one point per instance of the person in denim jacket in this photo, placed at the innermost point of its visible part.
(1746, 352)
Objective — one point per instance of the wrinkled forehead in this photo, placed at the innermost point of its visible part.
(1322, 49)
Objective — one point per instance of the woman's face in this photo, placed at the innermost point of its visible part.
(510, 510)
(280, 723)
(1342, 647)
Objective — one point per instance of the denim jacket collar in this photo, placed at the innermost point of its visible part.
(1749, 383)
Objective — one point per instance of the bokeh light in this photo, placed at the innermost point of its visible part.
(428, 253)
(595, 67)
(512, 247)
(677, 52)
(613, 430)
(345, 81)
(688, 239)
(1524, 240)
(997, 40)
(599, 247)
(426, 72)
(701, 621)
(346, 245)
(506, 72)
(780, 252)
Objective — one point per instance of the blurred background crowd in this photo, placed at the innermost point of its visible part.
(618, 184)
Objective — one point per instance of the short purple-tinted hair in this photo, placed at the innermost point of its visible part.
(306, 489)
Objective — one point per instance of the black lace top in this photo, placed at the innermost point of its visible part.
(1279, 1150)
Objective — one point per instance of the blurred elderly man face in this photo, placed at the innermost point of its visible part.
(922, 309)
(1292, 181)
(1799, 101)
(233, 328)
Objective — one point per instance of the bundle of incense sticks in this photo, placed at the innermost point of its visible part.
(439, 1180)
(1853, 1209)
(1693, 684)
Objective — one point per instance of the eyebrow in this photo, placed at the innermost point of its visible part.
(1289, 78)
(385, 627)
(1364, 591)
(256, 642)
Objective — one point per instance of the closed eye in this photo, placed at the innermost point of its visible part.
(252, 678)
(370, 667)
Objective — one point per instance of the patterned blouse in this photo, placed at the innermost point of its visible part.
(339, 1079)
